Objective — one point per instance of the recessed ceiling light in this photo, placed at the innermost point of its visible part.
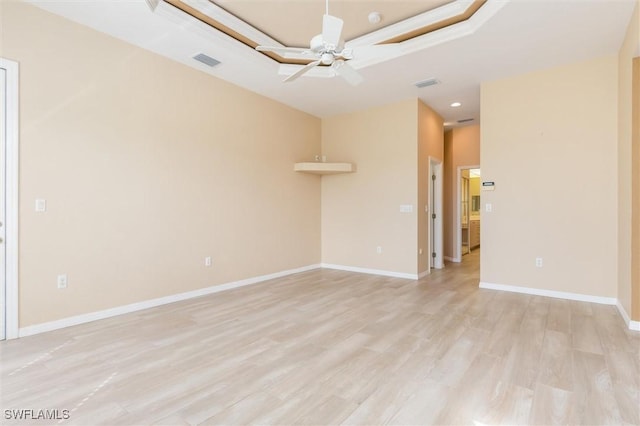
(456, 105)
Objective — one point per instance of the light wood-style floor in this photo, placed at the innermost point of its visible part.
(332, 347)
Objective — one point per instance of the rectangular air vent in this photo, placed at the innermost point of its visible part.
(207, 60)
(427, 83)
(466, 120)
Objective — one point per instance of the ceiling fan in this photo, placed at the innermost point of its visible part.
(328, 49)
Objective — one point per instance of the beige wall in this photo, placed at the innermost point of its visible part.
(430, 145)
(361, 211)
(542, 133)
(461, 148)
(147, 167)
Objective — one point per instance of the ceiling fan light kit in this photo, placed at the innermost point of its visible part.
(328, 50)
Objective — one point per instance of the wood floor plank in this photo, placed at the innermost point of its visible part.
(556, 364)
(468, 402)
(559, 318)
(384, 402)
(584, 332)
(553, 406)
(424, 405)
(593, 389)
(522, 363)
(509, 405)
(451, 367)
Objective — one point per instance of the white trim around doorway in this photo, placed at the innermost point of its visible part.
(457, 252)
(435, 200)
(11, 197)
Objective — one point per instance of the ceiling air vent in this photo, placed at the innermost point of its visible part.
(466, 120)
(207, 60)
(427, 83)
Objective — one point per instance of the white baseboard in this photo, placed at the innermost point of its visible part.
(138, 306)
(633, 325)
(370, 271)
(453, 259)
(551, 293)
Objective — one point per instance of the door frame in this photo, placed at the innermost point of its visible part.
(457, 252)
(435, 206)
(11, 197)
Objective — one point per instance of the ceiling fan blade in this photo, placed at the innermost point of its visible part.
(302, 71)
(331, 29)
(285, 50)
(347, 72)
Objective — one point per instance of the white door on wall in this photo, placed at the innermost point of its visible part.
(3, 144)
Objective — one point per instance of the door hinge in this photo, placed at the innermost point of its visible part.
(433, 177)
(433, 216)
(433, 254)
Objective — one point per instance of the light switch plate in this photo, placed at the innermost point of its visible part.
(406, 208)
(62, 281)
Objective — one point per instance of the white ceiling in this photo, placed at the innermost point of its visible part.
(504, 38)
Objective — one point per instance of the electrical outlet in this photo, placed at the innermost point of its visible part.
(379, 250)
(538, 262)
(207, 261)
(41, 205)
(62, 281)
(488, 207)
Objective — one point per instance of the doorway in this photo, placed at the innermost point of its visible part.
(8, 199)
(467, 216)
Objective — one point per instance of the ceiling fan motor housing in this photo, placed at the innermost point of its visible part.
(317, 44)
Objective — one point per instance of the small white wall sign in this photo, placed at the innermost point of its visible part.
(488, 186)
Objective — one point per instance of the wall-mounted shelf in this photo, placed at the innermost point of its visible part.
(324, 168)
